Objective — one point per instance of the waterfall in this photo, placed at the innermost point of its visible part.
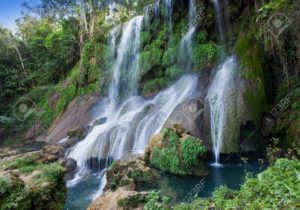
(219, 21)
(185, 48)
(219, 91)
(132, 120)
(219, 99)
(168, 4)
(126, 64)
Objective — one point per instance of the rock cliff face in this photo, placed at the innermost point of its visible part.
(245, 103)
(78, 113)
(33, 180)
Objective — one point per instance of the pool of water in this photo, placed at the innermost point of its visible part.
(183, 189)
(80, 195)
(179, 189)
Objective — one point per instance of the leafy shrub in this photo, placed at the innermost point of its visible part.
(178, 155)
(190, 149)
(205, 54)
(275, 188)
(173, 71)
(154, 85)
(155, 202)
(170, 56)
(149, 58)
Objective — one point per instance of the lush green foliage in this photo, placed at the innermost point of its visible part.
(155, 202)
(275, 188)
(205, 54)
(178, 155)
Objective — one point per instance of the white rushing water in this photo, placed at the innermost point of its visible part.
(219, 99)
(130, 119)
(219, 21)
(185, 48)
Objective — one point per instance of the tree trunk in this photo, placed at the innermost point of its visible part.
(21, 61)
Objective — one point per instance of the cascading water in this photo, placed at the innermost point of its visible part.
(219, 91)
(130, 123)
(126, 64)
(219, 99)
(219, 17)
(168, 4)
(185, 49)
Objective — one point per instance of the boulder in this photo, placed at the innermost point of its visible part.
(79, 112)
(121, 199)
(32, 180)
(174, 151)
(193, 115)
(34, 131)
(130, 172)
(69, 164)
(78, 132)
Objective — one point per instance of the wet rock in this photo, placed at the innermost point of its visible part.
(78, 132)
(174, 151)
(34, 131)
(69, 164)
(70, 142)
(78, 112)
(121, 199)
(32, 180)
(8, 152)
(51, 153)
(99, 121)
(193, 116)
(130, 173)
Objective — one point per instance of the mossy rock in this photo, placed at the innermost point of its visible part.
(76, 132)
(176, 152)
(33, 181)
(130, 173)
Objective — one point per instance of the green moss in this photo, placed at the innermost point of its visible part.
(250, 56)
(51, 173)
(255, 98)
(202, 37)
(174, 71)
(18, 197)
(146, 37)
(132, 202)
(154, 85)
(205, 54)
(177, 156)
(170, 56)
(149, 58)
(22, 162)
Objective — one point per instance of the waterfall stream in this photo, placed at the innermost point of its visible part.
(219, 99)
(218, 95)
(185, 48)
(130, 119)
